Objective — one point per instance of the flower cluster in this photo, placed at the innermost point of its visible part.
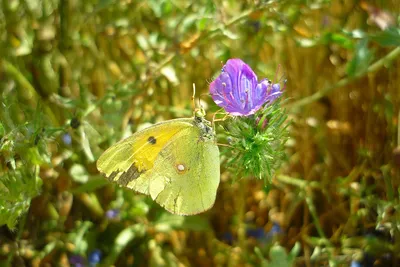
(257, 128)
(238, 91)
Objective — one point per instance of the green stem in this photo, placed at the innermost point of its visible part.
(21, 227)
(242, 211)
(91, 201)
(314, 215)
(398, 129)
(304, 186)
(29, 93)
(343, 82)
(388, 182)
(318, 226)
(10, 69)
(297, 182)
(122, 240)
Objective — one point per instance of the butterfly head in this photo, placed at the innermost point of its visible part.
(199, 113)
(204, 125)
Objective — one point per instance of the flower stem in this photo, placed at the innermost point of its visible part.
(398, 129)
(21, 80)
(318, 227)
(297, 182)
(242, 210)
(29, 93)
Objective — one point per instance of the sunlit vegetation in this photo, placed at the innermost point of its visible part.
(77, 76)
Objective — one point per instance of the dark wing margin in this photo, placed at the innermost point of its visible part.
(124, 178)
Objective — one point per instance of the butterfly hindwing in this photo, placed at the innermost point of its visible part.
(186, 174)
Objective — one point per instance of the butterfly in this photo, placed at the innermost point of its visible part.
(175, 162)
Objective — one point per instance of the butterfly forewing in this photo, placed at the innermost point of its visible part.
(133, 156)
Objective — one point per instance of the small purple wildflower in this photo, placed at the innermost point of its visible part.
(355, 264)
(76, 260)
(94, 257)
(257, 233)
(275, 92)
(260, 234)
(238, 91)
(275, 230)
(67, 139)
(228, 237)
(112, 213)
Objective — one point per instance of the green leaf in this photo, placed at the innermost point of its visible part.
(168, 221)
(361, 59)
(85, 144)
(91, 185)
(278, 256)
(160, 7)
(79, 173)
(339, 39)
(76, 237)
(306, 42)
(202, 23)
(122, 240)
(231, 35)
(102, 4)
(32, 155)
(388, 37)
(17, 188)
(170, 74)
(2, 130)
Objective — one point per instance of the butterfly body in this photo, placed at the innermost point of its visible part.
(176, 162)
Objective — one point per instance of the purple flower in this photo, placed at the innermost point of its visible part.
(77, 260)
(238, 91)
(261, 235)
(112, 213)
(227, 237)
(355, 264)
(94, 257)
(257, 233)
(67, 139)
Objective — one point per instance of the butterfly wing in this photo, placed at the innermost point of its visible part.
(132, 157)
(186, 173)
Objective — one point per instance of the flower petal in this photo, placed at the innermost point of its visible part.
(274, 93)
(237, 91)
(262, 90)
(243, 80)
(221, 91)
(247, 86)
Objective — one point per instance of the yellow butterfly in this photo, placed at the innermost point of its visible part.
(176, 162)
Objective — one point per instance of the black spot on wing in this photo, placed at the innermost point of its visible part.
(126, 177)
(152, 140)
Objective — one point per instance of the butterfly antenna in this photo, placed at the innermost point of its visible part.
(284, 84)
(200, 103)
(204, 94)
(284, 80)
(276, 75)
(193, 96)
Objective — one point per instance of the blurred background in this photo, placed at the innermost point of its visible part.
(77, 76)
